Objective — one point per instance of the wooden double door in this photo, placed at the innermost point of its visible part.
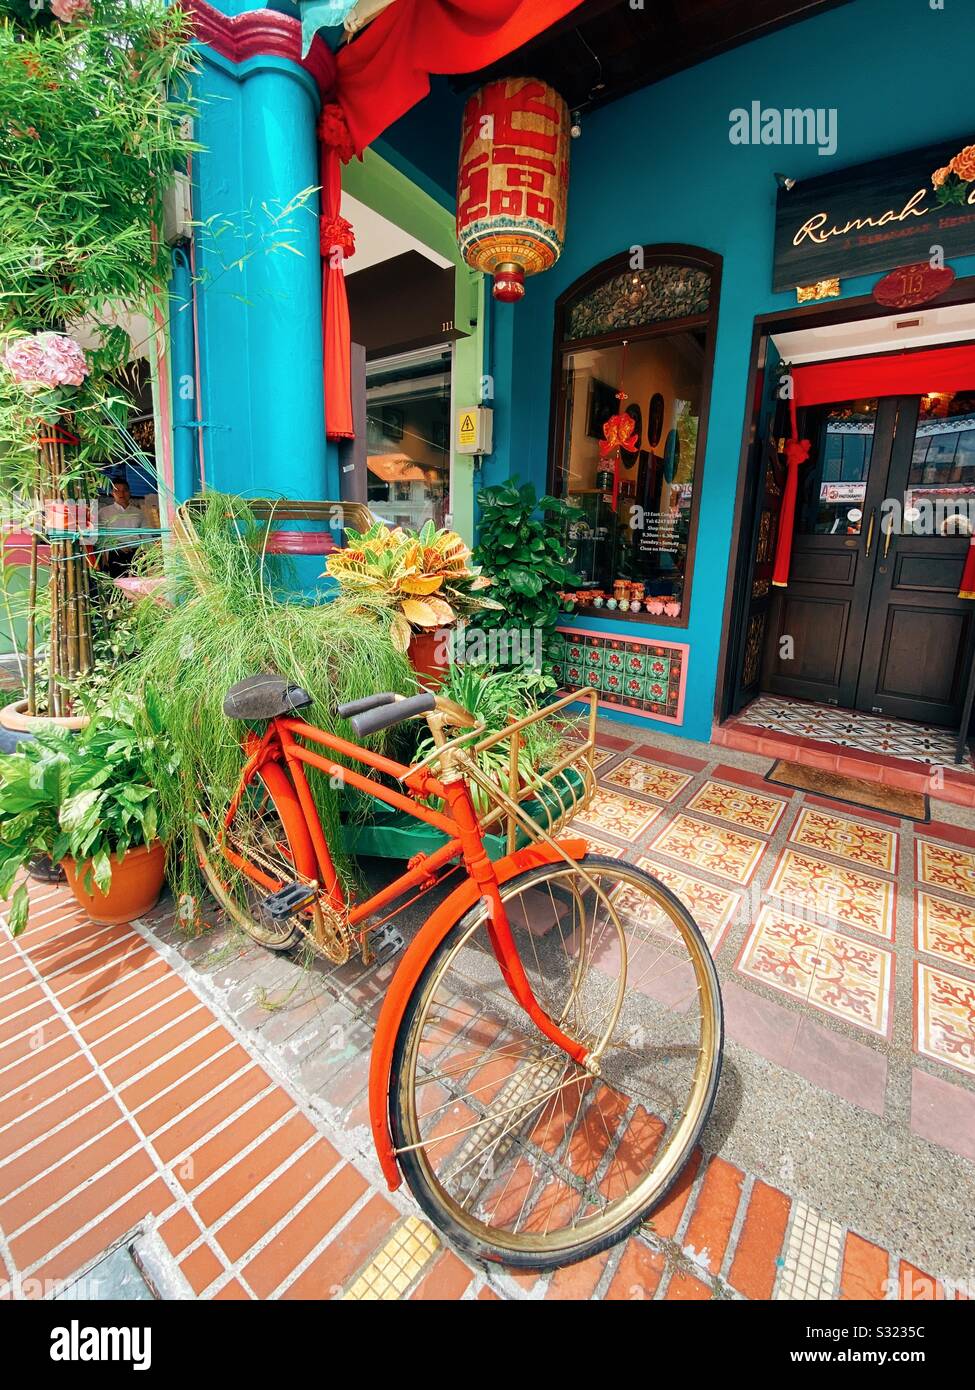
(871, 617)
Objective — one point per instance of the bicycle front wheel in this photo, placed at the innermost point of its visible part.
(516, 1152)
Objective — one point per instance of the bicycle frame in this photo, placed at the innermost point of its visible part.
(284, 738)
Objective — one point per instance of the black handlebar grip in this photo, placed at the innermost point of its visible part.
(347, 710)
(385, 716)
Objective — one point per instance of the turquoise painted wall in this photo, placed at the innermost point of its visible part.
(658, 166)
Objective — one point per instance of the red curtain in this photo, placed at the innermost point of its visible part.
(946, 369)
(386, 70)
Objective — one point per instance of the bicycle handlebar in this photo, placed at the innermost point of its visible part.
(352, 707)
(391, 711)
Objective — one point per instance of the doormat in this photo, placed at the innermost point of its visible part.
(857, 791)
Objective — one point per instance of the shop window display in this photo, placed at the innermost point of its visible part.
(633, 378)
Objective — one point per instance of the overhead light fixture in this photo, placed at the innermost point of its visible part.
(785, 182)
(575, 129)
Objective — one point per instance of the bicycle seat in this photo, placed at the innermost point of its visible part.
(264, 697)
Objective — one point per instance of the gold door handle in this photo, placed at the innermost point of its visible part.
(887, 535)
(873, 518)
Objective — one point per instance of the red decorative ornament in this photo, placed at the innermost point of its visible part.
(620, 433)
(909, 286)
(336, 232)
(333, 130)
(509, 285)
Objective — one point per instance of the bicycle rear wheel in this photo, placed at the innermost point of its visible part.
(517, 1153)
(270, 834)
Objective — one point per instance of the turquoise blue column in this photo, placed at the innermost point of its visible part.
(258, 280)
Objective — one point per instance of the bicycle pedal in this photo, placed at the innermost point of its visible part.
(288, 900)
(386, 942)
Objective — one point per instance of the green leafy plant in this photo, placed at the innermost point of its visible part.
(424, 577)
(94, 101)
(522, 545)
(498, 698)
(220, 614)
(84, 797)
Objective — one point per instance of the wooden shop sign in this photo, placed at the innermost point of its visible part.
(874, 217)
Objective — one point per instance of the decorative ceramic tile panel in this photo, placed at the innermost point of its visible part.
(824, 968)
(727, 853)
(649, 779)
(633, 675)
(823, 889)
(946, 866)
(945, 929)
(712, 908)
(749, 809)
(864, 842)
(945, 1017)
(620, 815)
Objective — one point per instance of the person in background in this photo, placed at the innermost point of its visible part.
(119, 515)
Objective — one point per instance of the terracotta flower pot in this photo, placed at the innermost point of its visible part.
(15, 717)
(426, 652)
(137, 880)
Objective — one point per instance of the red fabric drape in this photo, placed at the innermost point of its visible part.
(386, 69)
(337, 242)
(946, 369)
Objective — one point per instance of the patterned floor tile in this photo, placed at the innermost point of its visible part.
(946, 866)
(863, 842)
(945, 929)
(826, 969)
(620, 815)
(832, 890)
(751, 810)
(712, 908)
(598, 846)
(571, 745)
(851, 729)
(651, 779)
(945, 1018)
(728, 853)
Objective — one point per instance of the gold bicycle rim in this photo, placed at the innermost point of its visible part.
(668, 1160)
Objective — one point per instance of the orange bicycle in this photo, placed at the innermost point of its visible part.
(549, 1047)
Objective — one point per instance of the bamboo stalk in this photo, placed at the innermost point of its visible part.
(71, 610)
(31, 632)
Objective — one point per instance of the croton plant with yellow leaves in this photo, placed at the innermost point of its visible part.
(426, 577)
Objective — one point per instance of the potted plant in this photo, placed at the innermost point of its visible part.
(84, 800)
(527, 554)
(425, 577)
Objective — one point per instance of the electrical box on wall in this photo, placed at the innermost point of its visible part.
(475, 429)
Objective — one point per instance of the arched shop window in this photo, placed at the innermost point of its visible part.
(649, 332)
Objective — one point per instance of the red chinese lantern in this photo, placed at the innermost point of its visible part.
(512, 185)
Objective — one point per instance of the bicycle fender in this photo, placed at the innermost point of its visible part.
(408, 973)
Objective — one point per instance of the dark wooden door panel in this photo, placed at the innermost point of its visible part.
(814, 631)
(920, 655)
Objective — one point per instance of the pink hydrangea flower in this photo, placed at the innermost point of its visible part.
(46, 360)
(67, 10)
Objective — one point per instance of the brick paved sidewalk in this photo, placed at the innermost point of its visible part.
(154, 1083)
